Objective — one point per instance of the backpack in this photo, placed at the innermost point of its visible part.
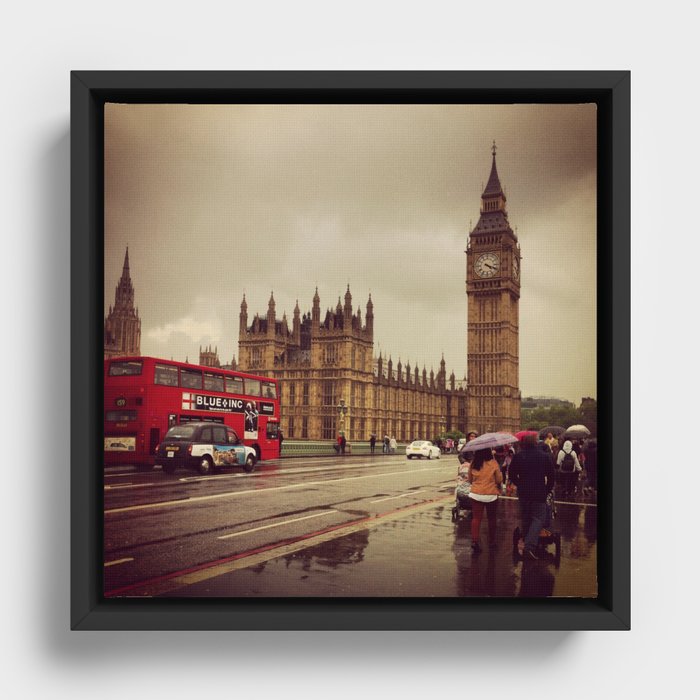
(567, 464)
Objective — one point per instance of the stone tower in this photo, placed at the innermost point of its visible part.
(122, 329)
(493, 294)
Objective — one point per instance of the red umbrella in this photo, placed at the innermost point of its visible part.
(522, 433)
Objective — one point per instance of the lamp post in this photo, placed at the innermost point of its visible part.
(342, 412)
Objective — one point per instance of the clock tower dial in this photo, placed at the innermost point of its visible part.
(493, 296)
(487, 265)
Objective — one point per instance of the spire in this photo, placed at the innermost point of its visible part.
(493, 186)
(125, 269)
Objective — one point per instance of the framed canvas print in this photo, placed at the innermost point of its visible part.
(349, 350)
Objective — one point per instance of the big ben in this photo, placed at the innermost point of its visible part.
(493, 294)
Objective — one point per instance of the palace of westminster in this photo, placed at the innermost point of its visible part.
(323, 360)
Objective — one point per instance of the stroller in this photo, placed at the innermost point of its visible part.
(547, 535)
(463, 504)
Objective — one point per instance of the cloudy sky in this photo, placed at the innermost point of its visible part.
(214, 201)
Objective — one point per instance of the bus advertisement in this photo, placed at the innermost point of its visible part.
(145, 396)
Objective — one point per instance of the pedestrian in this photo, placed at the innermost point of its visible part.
(392, 445)
(549, 440)
(485, 479)
(592, 466)
(385, 445)
(342, 443)
(372, 443)
(568, 469)
(532, 473)
(336, 447)
(280, 435)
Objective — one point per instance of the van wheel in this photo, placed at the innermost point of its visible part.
(249, 463)
(205, 465)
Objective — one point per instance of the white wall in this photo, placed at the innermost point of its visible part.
(43, 41)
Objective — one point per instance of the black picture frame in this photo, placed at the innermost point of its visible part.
(610, 90)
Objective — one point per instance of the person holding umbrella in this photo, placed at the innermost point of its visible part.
(486, 479)
(532, 472)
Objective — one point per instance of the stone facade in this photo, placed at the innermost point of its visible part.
(122, 327)
(321, 362)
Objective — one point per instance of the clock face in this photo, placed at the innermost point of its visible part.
(487, 265)
(516, 268)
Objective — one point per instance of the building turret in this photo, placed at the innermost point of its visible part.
(369, 316)
(296, 324)
(347, 309)
(379, 366)
(425, 377)
(316, 313)
(399, 376)
(243, 323)
(271, 317)
(389, 370)
(432, 379)
(452, 381)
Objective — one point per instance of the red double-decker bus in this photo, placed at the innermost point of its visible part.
(144, 396)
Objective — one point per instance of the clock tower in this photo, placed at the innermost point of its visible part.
(493, 294)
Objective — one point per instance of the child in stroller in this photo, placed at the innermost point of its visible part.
(463, 504)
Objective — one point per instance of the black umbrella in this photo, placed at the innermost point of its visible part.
(556, 430)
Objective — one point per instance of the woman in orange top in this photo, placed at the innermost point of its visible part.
(486, 479)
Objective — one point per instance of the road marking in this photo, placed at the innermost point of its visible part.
(266, 527)
(234, 494)
(126, 486)
(118, 561)
(403, 495)
(162, 585)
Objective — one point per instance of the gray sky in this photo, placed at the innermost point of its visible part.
(217, 200)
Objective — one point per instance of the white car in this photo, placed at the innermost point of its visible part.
(422, 448)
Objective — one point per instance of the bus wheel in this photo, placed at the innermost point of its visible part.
(205, 465)
(249, 463)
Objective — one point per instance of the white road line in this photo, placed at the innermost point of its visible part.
(126, 486)
(266, 527)
(118, 561)
(403, 495)
(263, 491)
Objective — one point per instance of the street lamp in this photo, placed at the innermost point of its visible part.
(342, 412)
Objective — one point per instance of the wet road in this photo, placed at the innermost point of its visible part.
(348, 527)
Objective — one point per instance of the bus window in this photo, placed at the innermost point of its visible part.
(190, 379)
(234, 385)
(269, 390)
(166, 375)
(272, 431)
(213, 382)
(124, 369)
(252, 387)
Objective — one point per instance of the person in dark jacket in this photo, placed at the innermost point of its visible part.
(532, 472)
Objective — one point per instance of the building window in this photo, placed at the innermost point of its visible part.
(328, 428)
(328, 393)
(305, 427)
(256, 357)
(330, 355)
(290, 431)
(305, 394)
(292, 394)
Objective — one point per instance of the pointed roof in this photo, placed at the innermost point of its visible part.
(125, 269)
(493, 186)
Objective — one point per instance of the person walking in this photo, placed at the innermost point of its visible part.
(392, 445)
(568, 469)
(343, 442)
(532, 473)
(385, 445)
(485, 478)
(372, 443)
(280, 435)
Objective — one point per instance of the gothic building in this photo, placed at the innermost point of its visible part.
(493, 292)
(320, 362)
(122, 327)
